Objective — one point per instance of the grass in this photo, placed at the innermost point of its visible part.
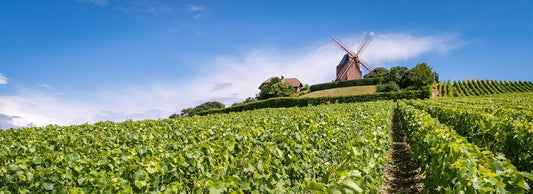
(346, 91)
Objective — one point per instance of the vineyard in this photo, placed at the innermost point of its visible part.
(339, 146)
(452, 163)
(480, 87)
(499, 123)
(474, 144)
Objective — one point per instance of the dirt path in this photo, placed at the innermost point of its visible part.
(402, 174)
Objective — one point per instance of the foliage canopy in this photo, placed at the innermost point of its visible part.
(202, 107)
(275, 88)
(420, 75)
(377, 72)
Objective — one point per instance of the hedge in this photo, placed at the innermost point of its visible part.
(339, 84)
(301, 102)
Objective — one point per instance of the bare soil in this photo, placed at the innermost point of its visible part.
(402, 173)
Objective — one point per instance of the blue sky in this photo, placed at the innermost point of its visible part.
(76, 61)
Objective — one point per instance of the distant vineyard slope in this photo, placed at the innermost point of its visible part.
(479, 87)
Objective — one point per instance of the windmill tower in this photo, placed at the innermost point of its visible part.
(350, 66)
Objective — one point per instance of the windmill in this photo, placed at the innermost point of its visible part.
(350, 66)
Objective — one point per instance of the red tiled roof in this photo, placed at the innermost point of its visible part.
(292, 81)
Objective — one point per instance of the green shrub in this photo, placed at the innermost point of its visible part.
(340, 84)
(389, 87)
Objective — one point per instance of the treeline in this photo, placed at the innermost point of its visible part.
(202, 107)
(388, 80)
(480, 87)
(424, 92)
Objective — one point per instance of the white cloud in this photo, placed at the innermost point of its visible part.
(45, 86)
(96, 2)
(393, 47)
(196, 8)
(144, 7)
(6, 121)
(42, 109)
(3, 79)
(228, 79)
(198, 16)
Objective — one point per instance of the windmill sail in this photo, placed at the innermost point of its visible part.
(349, 67)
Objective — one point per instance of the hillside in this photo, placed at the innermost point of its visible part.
(301, 149)
(479, 87)
(320, 144)
(341, 92)
(345, 91)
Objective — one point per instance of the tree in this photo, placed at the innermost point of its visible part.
(282, 89)
(305, 88)
(247, 100)
(186, 111)
(275, 88)
(377, 72)
(420, 75)
(388, 87)
(398, 74)
(266, 89)
(201, 107)
(275, 80)
(209, 105)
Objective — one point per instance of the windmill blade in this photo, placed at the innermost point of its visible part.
(365, 42)
(364, 65)
(340, 45)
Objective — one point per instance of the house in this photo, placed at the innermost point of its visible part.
(295, 83)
